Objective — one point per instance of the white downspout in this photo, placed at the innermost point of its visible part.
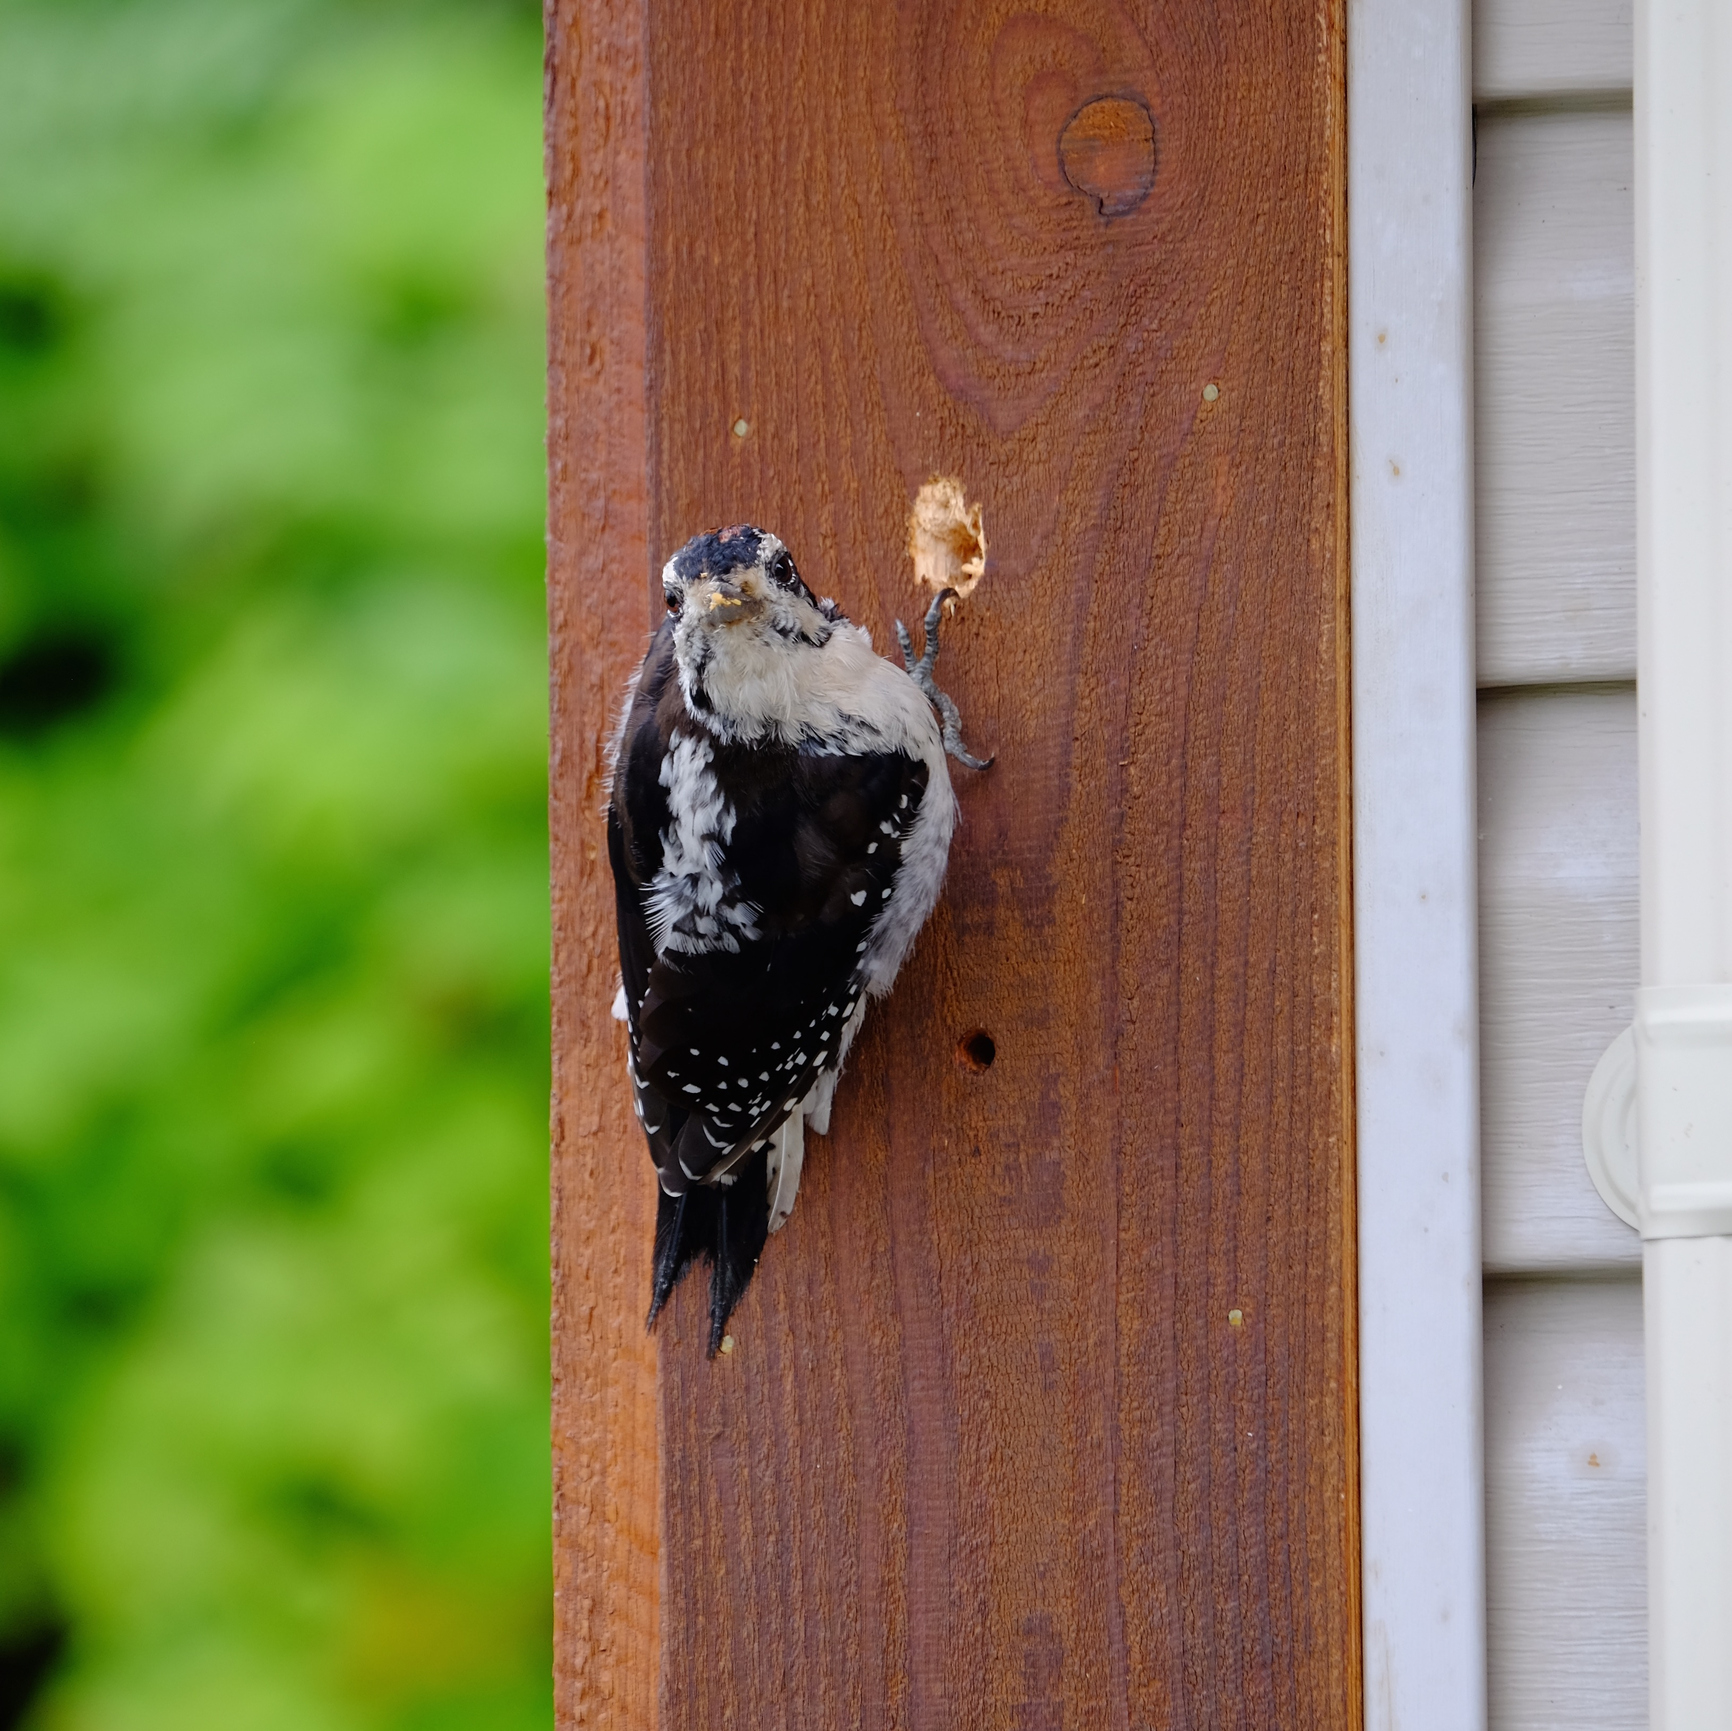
(1683, 121)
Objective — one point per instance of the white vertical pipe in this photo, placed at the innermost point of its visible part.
(1684, 664)
(1687, 1297)
(1416, 1010)
(1684, 485)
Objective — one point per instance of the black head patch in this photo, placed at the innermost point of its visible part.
(740, 548)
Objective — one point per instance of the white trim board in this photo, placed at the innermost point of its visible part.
(1410, 285)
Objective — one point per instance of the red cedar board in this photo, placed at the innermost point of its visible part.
(989, 1451)
(606, 1526)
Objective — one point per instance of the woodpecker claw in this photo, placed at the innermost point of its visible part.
(921, 673)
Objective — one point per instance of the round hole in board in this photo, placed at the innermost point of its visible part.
(976, 1051)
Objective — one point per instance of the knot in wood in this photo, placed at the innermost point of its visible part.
(1107, 152)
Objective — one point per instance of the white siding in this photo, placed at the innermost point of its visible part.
(1565, 1505)
(1555, 398)
(1557, 971)
(1528, 49)
(1555, 581)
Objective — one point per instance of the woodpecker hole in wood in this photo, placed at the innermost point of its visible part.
(946, 537)
(975, 1051)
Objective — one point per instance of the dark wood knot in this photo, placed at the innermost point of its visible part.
(1107, 151)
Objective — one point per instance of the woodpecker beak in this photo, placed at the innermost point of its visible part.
(722, 602)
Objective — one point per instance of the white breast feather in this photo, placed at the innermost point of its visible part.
(841, 697)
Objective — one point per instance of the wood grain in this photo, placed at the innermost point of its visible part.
(1558, 964)
(605, 1458)
(1555, 388)
(989, 1452)
(1527, 49)
(1566, 1506)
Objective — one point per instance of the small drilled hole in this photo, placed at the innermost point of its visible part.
(976, 1051)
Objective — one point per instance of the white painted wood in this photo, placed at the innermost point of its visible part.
(1410, 432)
(1554, 315)
(1558, 963)
(1565, 1505)
(1538, 48)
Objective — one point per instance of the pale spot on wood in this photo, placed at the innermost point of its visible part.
(946, 537)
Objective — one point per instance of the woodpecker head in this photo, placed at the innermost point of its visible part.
(743, 622)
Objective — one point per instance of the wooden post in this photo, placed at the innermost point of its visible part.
(606, 1524)
(1042, 1407)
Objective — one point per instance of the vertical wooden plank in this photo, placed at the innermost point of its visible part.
(1042, 1408)
(606, 1549)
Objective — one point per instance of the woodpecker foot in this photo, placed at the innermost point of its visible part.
(921, 673)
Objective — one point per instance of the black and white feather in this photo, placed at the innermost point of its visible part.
(778, 828)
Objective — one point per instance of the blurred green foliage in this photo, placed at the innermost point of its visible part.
(273, 933)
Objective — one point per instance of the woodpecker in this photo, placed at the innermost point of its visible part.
(778, 825)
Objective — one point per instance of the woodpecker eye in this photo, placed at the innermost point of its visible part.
(672, 598)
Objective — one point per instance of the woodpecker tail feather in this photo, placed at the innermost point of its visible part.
(677, 1242)
(727, 1223)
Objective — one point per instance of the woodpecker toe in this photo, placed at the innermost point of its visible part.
(920, 671)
